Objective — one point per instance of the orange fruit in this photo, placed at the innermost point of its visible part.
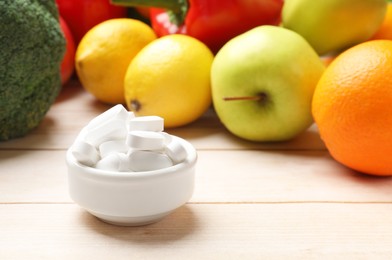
(385, 30)
(352, 107)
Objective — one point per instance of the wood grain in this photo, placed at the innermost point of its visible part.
(241, 231)
(287, 200)
(222, 176)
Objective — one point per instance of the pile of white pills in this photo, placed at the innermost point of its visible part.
(116, 140)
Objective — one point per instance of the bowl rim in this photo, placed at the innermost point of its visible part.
(92, 172)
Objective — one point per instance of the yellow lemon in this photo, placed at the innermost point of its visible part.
(170, 77)
(104, 54)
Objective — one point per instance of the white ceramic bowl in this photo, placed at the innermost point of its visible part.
(132, 198)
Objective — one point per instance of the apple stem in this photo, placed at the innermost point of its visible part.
(250, 98)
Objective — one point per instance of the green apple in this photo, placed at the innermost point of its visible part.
(263, 82)
(333, 25)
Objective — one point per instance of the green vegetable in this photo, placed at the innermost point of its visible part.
(31, 49)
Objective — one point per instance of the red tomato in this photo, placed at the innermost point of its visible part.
(82, 15)
(68, 63)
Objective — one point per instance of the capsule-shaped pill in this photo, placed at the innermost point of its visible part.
(146, 123)
(85, 153)
(113, 146)
(176, 151)
(145, 140)
(109, 130)
(148, 161)
(116, 112)
(118, 162)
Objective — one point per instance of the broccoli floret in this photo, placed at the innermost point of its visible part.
(31, 49)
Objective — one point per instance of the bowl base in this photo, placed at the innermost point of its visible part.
(130, 221)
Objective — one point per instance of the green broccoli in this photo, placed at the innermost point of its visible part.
(31, 49)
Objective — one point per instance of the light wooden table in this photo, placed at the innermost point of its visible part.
(252, 201)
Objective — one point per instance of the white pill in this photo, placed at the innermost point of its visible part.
(168, 137)
(145, 140)
(114, 162)
(109, 130)
(85, 153)
(148, 161)
(109, 163)
(113, 146)
(176, 151)
(116, 112)
(146, 123)
(131, 116)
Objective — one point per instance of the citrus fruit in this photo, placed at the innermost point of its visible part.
(104, 54)
(333, 25)
(385, 30)
(170, 77)
(352, 106)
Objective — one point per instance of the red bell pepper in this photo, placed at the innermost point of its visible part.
(214, 22)
(68, 63)
(82, 15)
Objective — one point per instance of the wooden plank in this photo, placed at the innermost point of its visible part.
(33, 176)
(196, 231)
(222, 176)
(284, 176)
(219, 138)
(61, 132)
(75, 108)
(287, 200)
